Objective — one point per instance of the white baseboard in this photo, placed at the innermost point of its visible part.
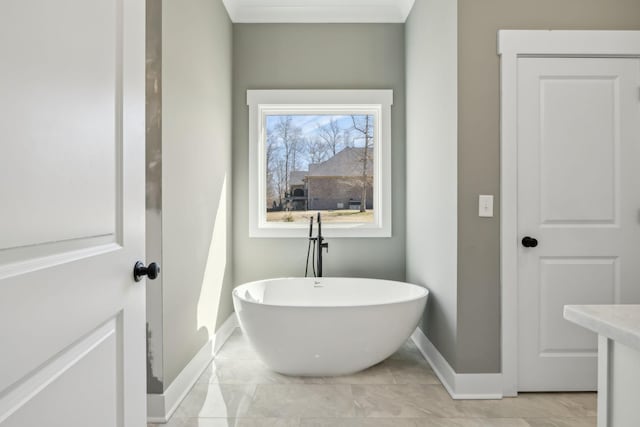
(459, 386)
(224, 332)
(160, 407)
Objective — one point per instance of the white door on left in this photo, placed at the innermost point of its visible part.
(72, 319)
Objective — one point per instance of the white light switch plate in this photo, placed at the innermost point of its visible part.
(485, 205)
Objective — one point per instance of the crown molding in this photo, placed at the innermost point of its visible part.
(316, 11)
(405, 8)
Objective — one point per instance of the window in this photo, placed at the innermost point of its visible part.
(322, 151)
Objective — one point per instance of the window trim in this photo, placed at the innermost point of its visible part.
(263, 102)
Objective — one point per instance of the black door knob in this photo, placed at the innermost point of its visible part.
(140, 270)
(529, 242)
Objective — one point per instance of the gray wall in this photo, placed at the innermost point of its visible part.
(153, 231)
(196, 183)
(479, 150)
(431, 80)
(317, 56)
(447, 247)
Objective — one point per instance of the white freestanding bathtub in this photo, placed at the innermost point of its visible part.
(327, 326)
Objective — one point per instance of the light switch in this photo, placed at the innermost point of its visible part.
(485, 205)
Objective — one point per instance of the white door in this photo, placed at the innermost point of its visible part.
(579, 197)
(72, 320)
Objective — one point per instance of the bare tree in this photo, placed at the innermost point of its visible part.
(317, 150)
(288, 136)
(280, 179)
(363, 125)
(272, 149)
(331, 134)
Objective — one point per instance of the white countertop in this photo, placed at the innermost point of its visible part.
(619, 322)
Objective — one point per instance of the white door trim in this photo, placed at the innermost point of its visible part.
(511, 45)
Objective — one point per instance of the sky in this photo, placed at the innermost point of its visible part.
(310, 123)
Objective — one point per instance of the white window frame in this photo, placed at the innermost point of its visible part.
(269, 102)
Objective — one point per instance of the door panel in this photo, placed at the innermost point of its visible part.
(72, 217)
(63, 99)
(64, 381)
(578, 149)
(562, 279)
(578, 133)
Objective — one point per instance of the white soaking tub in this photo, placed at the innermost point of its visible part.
(327, 326)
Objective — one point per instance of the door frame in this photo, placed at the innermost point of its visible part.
(513, 44)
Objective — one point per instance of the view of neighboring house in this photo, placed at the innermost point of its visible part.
(335, 183)
(297, 195)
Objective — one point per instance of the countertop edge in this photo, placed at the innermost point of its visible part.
(598, 323)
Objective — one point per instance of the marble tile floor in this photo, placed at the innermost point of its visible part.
(238, 390)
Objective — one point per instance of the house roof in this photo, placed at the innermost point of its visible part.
(297, 177)
(347, 162)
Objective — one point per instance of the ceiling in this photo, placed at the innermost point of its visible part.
(318, 11)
